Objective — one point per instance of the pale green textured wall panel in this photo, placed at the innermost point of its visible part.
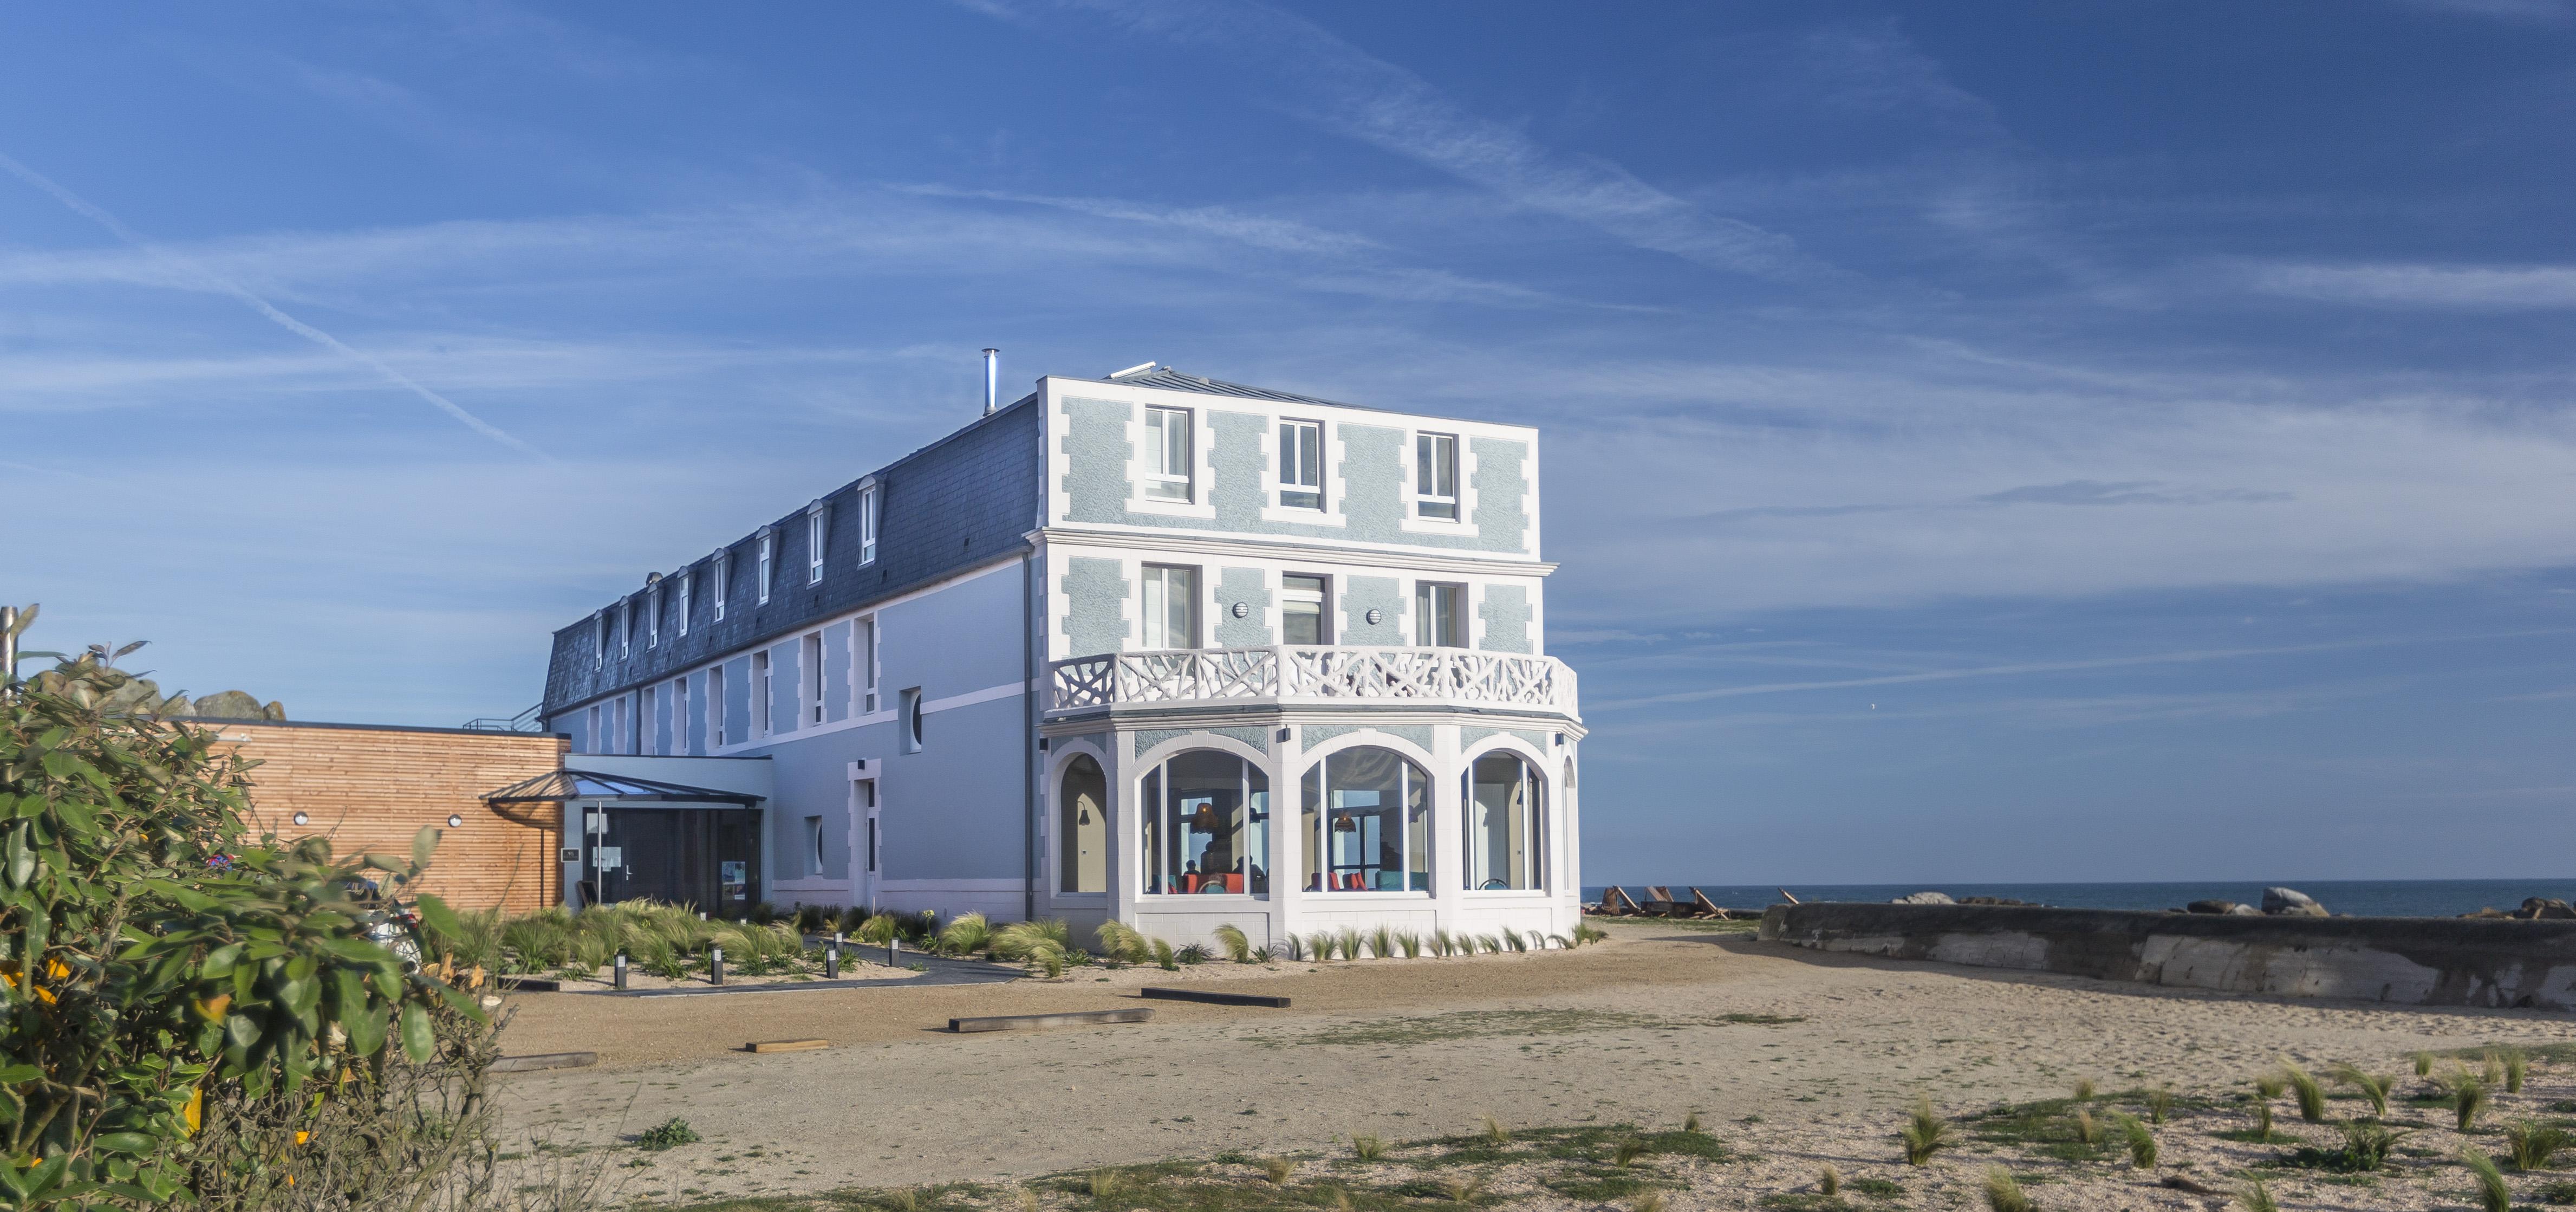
(1382, 594)
(1095, 592)
(1243, 585)
(1312, 735)
(1506, 612)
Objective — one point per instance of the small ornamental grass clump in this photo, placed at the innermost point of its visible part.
(2004, 1193)
(2517, 1063)
(1236, 945)
(1368, 1148)
(2468, 1097)
(2371, 1087)
(2491, 1192)
(2142, 1142)
(1925, 1132)
(669, 1134)
(2532, 1146)
(2255, 1197)
(2159, 1104)
(2312, 1097)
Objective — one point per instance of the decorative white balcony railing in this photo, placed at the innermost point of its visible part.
(1311, 674)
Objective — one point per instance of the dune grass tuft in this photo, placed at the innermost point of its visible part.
(2255, 1197)
(1382, 942)
(1124, 943)
(1925, 1132)
(1495, 1131)
(1690, 1123)
(2468, 1097)
(2423, 1064)
(2263, 1120)
(1829, 1181)
(2492, 1193)
(2142, 1142)
(2086, 1130)
(1368, 1148)
(2159, 1104)
(2372, 1087)
(1651, 1201)
(2084, 1090)
(970, 933)
(1442, 944)
(2517, 1063)
(2312, 1097)
(1278, 1169)
(1104, 1184)
(1464, 1191)
(1236, 945)
(1348, 941)
(2004, 1193)
(1626, 1152)
(2532, 1146)
(1164, 957)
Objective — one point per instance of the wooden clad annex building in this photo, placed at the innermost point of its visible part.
(371, 788)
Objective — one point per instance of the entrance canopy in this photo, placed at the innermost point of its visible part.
(557, 786)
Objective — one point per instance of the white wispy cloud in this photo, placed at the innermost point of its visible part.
(1319, 76)
(2462, 287)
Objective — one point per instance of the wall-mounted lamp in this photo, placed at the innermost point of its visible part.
(1376, 617)
(303, 819)
(1242, 610)
(454, 821)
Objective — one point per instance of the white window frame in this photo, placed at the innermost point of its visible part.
(1294, 460)
(809, 682)
(1324, 604)
(599, 641)
(724, 579)
(626, 629)
(768, 562)
(1157, 589)
(598, 736)
(867, 526)
(688, 578)
(1158, 449)
(647, 737)
(680, 716)
(818, 529)
(653, 616)
(1426, 596)
(718, 735)
(1429, 467)
(761, 702)
(863, 662)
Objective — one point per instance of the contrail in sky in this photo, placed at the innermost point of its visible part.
(262, 306)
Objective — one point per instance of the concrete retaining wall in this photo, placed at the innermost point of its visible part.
(2411, 961)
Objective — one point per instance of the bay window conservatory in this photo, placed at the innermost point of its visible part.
(1206, 818)
(1505, 811)
(1367, 823)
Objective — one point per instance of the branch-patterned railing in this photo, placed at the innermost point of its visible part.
(1323, 673)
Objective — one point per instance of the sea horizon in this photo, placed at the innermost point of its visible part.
(2363, 898)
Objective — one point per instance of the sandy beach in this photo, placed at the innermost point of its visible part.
(1792, 1058)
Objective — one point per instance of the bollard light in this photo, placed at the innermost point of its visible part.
(617, 971)
(832, 958)
(715, 965)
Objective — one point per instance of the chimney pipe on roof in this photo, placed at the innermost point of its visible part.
(992, 379)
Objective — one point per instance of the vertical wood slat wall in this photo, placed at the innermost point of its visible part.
(371, 789)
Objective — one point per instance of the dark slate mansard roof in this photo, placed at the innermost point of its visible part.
(956, 503)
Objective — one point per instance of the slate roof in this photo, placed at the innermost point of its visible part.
(1172, 380)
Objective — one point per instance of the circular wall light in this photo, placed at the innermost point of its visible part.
(1241, 610)
(454, 821)
(1376, 617)
(303, 819)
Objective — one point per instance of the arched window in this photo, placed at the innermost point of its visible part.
(1207, 825)
(1082, 829)
(1506, 822)
(1367, 823)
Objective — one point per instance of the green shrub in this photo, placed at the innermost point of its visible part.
(1586, 932)
(2142, 1142)
(1194, 953)
(172, 985)
(669, 1134)
(1124, 943)
(970, 933)
(2532, 1146)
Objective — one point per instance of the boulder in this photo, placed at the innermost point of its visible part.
(2244, 911)
(2290, 902)
(1924, 898)
(2221, 907)
(2546, 906)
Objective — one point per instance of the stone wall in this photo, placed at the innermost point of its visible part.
(2410, 961)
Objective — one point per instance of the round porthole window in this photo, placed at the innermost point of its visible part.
(1376, 617)
(454, 821)
(1241, 610)
(303, 819)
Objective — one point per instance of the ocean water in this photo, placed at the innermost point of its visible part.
(2364, 898)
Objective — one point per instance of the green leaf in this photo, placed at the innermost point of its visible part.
(15, 1074)
(440, 919)
(20, 859)
(417, 1042)
(367, 1030)
(124, 1142)
(424, 844)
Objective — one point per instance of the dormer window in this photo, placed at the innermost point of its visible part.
(723, 571)
(599, 644)
(1301, 464)
(1167, 454)
(625, 629)
(867, 526)
(687, 579)
(768, 571)
(653, 616)
(818, 524)
(1435, 476)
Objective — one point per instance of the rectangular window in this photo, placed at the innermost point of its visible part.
(1435, 615)
(1305, 610)
(809, 678)
(1435, 476)
(867, 807)
(1301, 464)
(1505, 811)
(1171, 607)
(760, 699)
(687, 580)
(722, 736)
(599, 645)
(863, 663)
(817, 527)
(594, 741)
(768, 564)
(1167, 454)
(1367, 823)
(814, 843)
(868, 527)
(647, 737)
(1206, 826)
(625, 629)
(908, 717)
(724, 580)
(680, 717)
(653, 616)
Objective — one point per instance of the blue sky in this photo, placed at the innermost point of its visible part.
(2066, 440)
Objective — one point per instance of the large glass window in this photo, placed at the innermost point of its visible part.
(1167, 454)
(1171, 607)
(1436, 621)
(1435, 476)
(1367, 823)
(1082, 828)
(1304, 610)
(1207, 825)
(1506, 811)
(1301, 464)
